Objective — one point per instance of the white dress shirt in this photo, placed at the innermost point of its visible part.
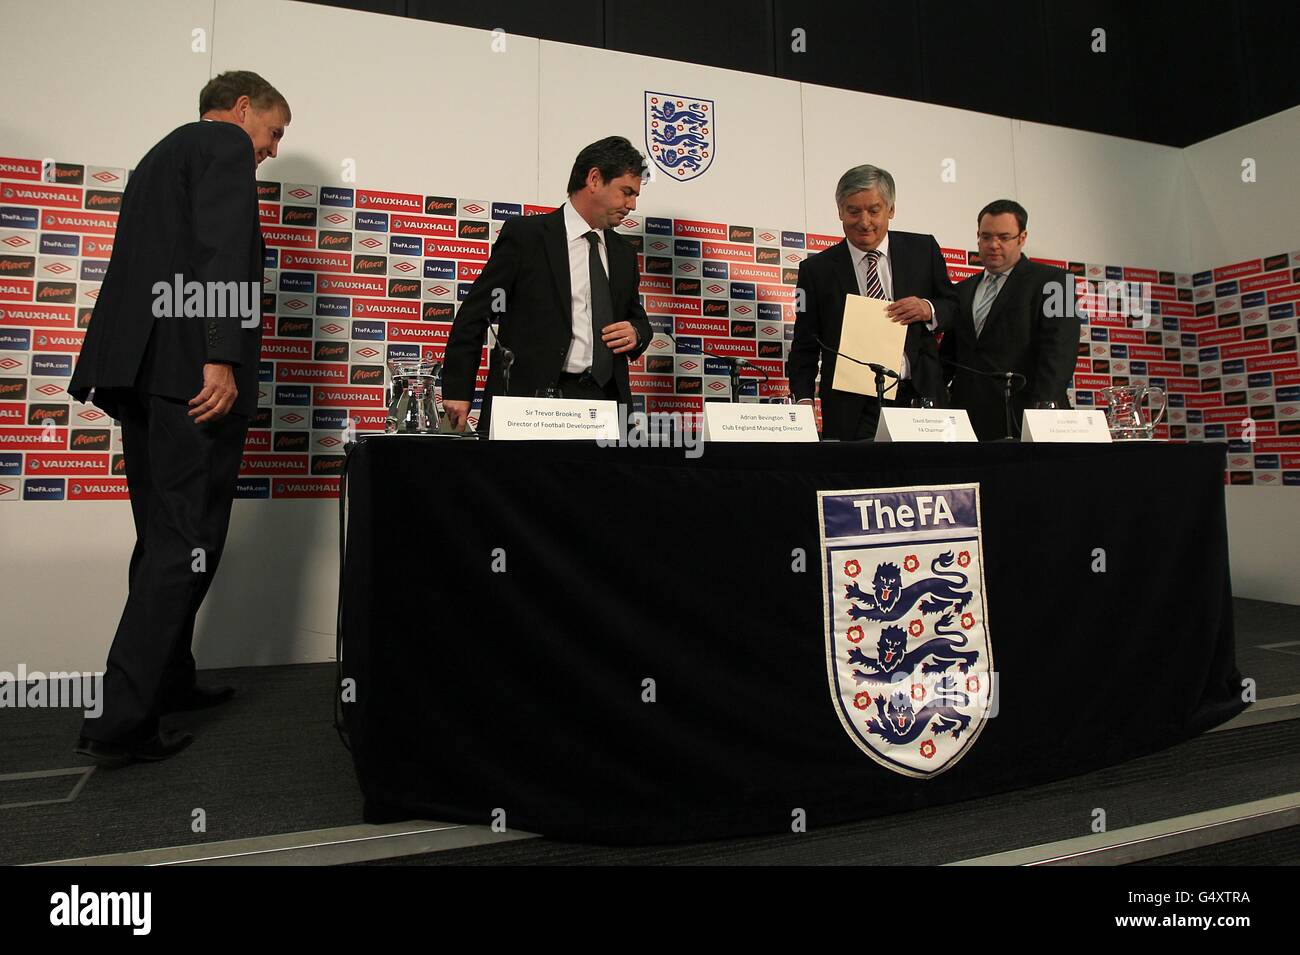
(576, 228)
(884, 272)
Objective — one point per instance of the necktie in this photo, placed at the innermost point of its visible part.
(988, 292)
(602, 313)
(873, 287)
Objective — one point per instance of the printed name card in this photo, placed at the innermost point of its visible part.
(924, 424)
(550, 419)
(755, 422)
(1070, 426)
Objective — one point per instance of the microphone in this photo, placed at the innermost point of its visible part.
(746, 363)
(1000, 375)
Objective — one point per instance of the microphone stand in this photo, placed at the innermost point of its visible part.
(734, 364)
(881, 371)
(1007, 378)
(507, 356)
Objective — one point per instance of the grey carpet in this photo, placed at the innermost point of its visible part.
(270, 762)
(1214, 770)
(267, 762)
(1276, 672)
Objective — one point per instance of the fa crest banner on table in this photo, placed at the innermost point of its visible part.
(908, 653)
(679, 134)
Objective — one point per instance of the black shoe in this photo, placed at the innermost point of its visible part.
(150, 750)
(199, 698)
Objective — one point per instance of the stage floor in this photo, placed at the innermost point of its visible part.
(270, 762)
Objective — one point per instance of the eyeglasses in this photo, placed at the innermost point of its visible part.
(988, 238)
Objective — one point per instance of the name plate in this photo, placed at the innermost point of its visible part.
(924, 424)
(1068, 426)
(552, 419)
(755, 422)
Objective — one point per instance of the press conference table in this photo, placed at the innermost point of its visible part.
(505, 603)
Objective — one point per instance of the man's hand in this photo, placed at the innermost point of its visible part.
(908, 310)
(218, 395)
(457, 413)
(620, 337)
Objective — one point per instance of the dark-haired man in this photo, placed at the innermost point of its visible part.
(1014, 316)
(564, 287)
(179, 371)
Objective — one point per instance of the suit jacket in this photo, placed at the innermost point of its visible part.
(530, 265)
(190, 209)
(824, 279)
(1019, 335)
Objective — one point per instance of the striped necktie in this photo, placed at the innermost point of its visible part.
(872, 286)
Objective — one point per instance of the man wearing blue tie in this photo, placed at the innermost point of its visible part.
(1011, 318)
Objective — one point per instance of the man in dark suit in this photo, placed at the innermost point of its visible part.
(565, 288)
(906, 267)
(1016, 315)
(172, 352)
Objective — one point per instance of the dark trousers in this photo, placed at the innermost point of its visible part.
(870, 417)
(584, 386)
(181, 476)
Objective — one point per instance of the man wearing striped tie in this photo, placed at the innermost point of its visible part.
(1008, 321)
(906, 268)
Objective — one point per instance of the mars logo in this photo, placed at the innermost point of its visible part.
(908, 654)
(334, 240)
(291, 440)
(55, 292)
(295, 327)
(89, 440)
(47, 414)
(331, 351)
(103, 200)
(680, 134)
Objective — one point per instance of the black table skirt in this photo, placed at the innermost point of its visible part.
(521, 691)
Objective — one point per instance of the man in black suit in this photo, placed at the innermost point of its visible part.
(906, 267)
(172, 352)
(565, 288)
(1016, 315)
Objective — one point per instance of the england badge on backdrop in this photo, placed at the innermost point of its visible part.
(680, 134)
(908, 653)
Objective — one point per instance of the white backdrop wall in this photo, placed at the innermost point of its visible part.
(435, 109)
(1231, 219)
